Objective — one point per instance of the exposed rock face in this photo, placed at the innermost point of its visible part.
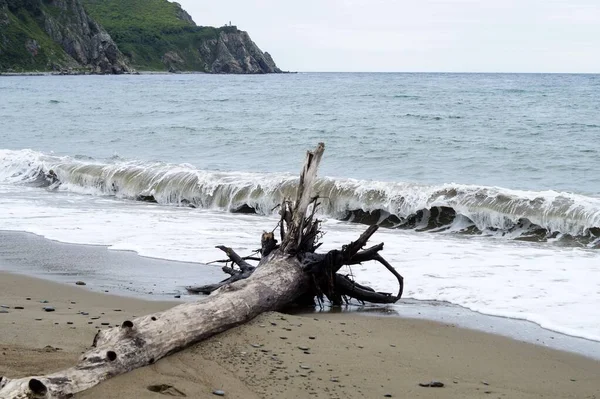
(4, 21)
(83, 39)
(183, 15)
(83, 42)
(59, 35)
(3, 13)
(173, 62)
(33, 47)
(236, 53)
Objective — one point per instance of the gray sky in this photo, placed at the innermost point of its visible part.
(417, 35)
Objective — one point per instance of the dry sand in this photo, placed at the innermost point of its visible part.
(348, 356)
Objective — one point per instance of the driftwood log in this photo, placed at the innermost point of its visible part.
(288, 272)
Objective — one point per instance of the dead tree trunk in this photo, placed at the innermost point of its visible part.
(285, 273)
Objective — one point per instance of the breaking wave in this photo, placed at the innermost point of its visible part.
(524, 215)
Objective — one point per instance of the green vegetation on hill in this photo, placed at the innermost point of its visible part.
(145, 30)
(24, 46)
(112, 36)
(144, 14)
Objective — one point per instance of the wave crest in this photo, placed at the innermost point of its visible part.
(526, 215)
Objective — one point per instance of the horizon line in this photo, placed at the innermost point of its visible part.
(459, 72)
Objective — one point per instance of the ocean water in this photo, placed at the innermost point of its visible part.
(486, 185)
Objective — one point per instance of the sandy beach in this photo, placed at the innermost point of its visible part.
(349, 355)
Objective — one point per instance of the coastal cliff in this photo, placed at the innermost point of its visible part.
(235, 52)
(55, 35)
(158, 35)
(116, 36)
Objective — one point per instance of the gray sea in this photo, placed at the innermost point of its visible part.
(486, 185)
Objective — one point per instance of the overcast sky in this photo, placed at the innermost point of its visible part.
(417, 35)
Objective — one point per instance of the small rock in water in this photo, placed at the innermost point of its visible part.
(219, 392)
(79, 283)
(177, 296)
(49, 309)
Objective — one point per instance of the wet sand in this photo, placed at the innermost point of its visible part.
(349, 355)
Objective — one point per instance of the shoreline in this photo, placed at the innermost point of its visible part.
(88, 73)
(351, 356)
(31, 255)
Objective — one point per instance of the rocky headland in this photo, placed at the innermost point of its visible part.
(120, 36)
